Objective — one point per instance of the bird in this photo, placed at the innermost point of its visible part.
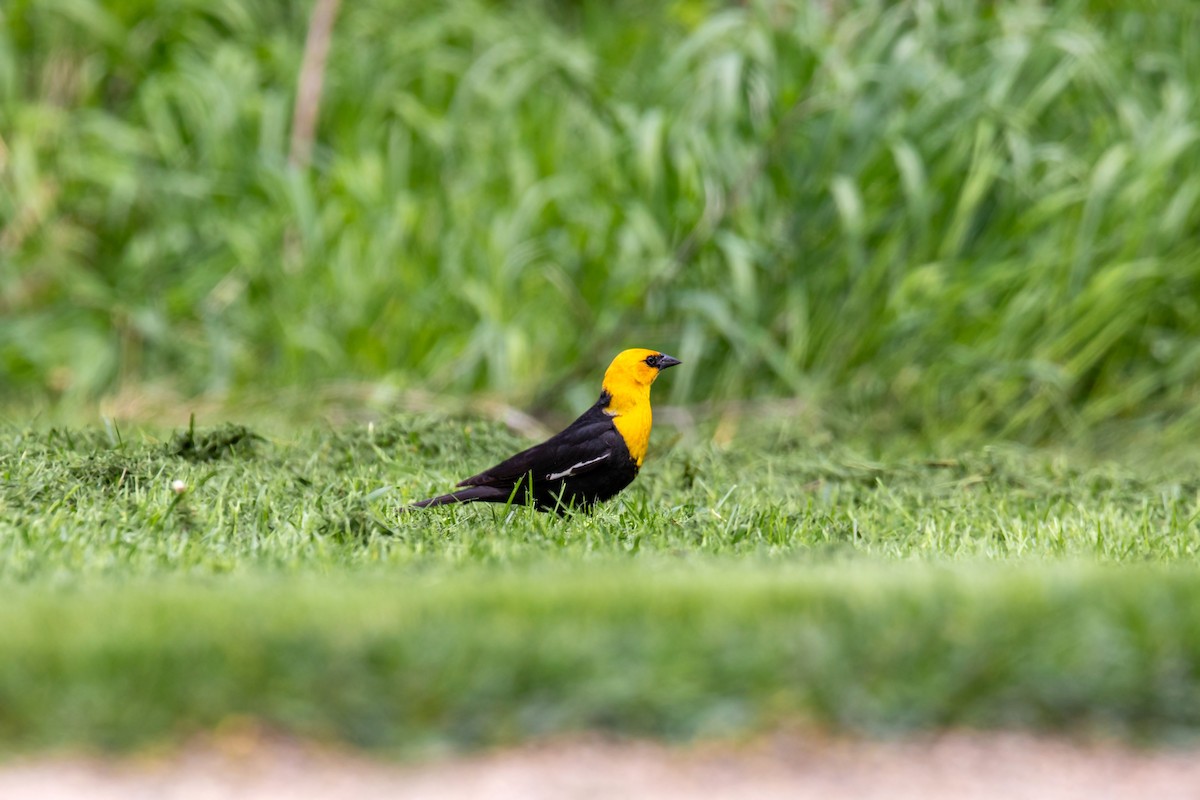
(589, 461)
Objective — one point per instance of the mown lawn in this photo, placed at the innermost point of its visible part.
(784, 576)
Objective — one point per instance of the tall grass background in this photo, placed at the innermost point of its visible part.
(984, 215)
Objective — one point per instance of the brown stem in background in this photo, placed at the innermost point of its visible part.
(312, 76)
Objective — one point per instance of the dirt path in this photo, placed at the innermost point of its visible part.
(963, 766)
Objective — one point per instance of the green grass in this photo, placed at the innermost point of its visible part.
(786, 578)
(101, 502)
(409, 661)
(948, 211)
(928, 229)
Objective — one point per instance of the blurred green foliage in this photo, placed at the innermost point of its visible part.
(425, 662)
(979, 214)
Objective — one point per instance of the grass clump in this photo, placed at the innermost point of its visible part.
(224, 442)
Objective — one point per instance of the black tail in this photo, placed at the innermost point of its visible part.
(472, 494)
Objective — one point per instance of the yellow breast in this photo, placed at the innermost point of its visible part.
(633, 423)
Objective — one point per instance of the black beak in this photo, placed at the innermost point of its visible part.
(666, 361)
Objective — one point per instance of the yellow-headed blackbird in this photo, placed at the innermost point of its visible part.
(595, 457)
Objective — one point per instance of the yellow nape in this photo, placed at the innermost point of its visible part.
(628, 380)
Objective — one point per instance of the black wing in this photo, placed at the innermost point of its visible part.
(589, 443)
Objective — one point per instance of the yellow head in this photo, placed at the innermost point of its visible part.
(634, 370)
(627, 382)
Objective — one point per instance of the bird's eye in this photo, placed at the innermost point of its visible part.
(653, 360)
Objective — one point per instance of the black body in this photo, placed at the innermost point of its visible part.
(584, 464)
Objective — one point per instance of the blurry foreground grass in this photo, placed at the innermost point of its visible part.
(729, 589)
(418, 660)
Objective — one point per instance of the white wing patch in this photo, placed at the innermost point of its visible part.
(569, 471)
